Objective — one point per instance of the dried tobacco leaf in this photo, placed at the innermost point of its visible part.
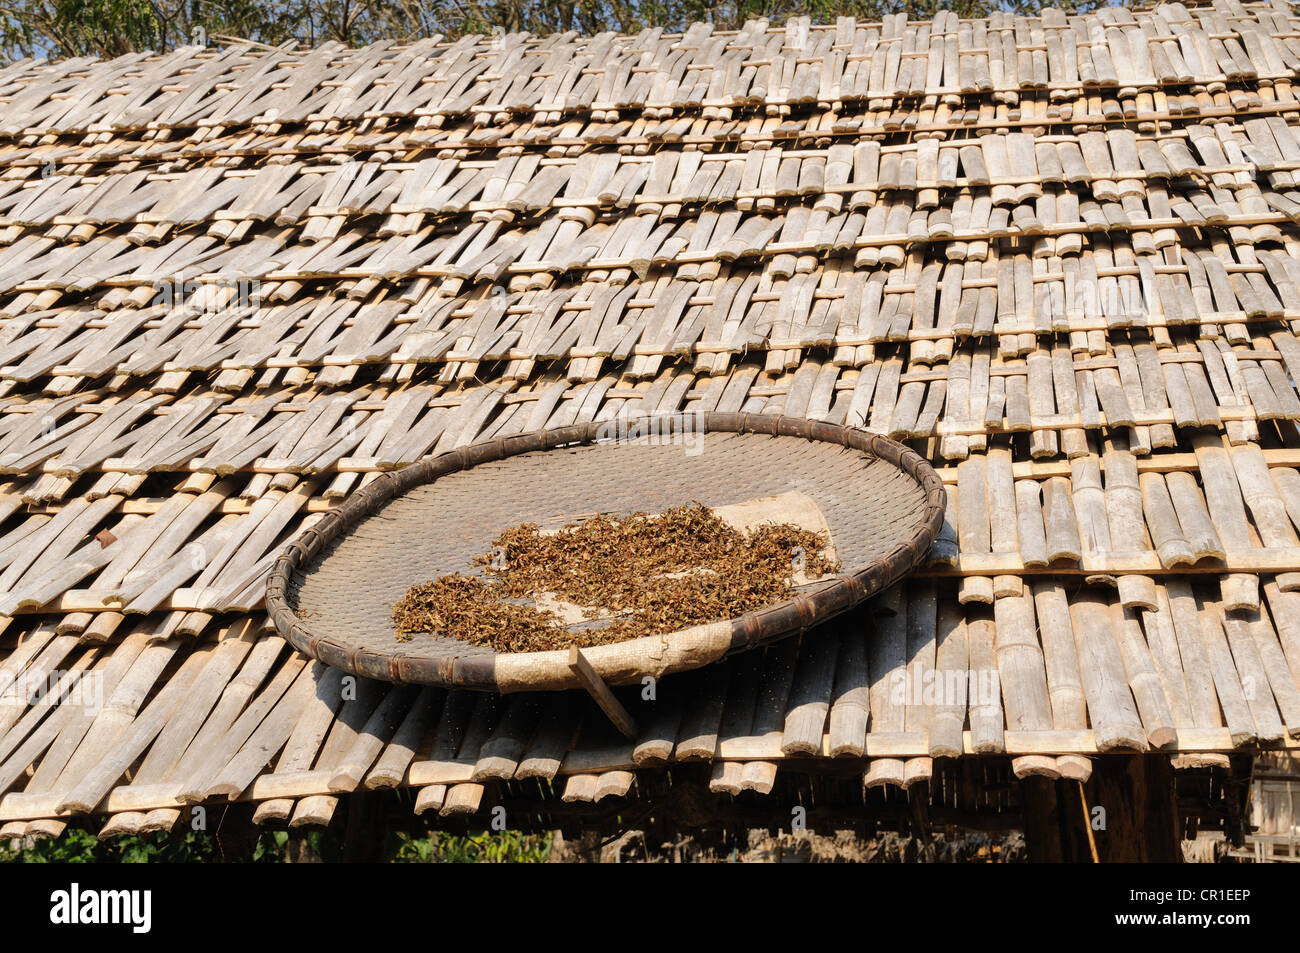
(632, 576)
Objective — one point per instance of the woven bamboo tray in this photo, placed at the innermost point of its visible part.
(332, 592)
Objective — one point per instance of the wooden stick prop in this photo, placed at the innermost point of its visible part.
(596, 687)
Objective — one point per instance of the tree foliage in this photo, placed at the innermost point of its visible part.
(113, 27)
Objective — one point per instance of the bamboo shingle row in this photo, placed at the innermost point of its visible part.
(308, 454)
(494, 78)
(1098, 677)
(1155, 395)
(1209, 163)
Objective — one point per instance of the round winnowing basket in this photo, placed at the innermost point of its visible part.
(332, 592)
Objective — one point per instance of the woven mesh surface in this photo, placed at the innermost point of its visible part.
(347, 594)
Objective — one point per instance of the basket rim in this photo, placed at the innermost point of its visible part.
(667, 652)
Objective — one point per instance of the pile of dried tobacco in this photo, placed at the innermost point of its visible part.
(631, 576)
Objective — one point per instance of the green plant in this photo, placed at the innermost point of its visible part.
(506, 847)
(78, 845)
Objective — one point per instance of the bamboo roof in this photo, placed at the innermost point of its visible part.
(1059, 256)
